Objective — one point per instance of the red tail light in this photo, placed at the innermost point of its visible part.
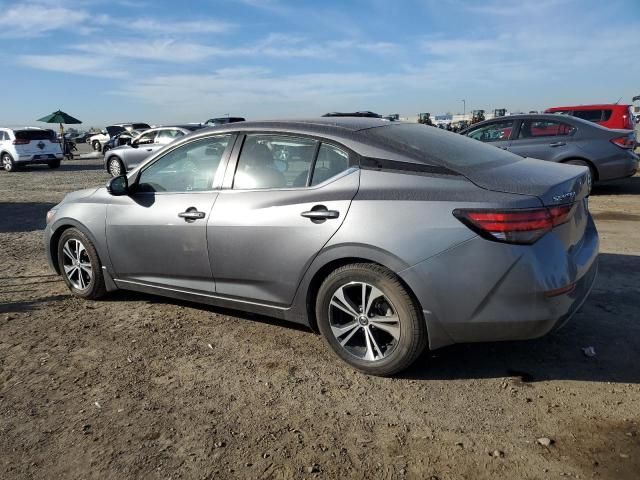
(21, 141)
(626, 141)
(628, 123)
(514, 226)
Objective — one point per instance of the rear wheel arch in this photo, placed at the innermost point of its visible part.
(594, 170)
(329, 267)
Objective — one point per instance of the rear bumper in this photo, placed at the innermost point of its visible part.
(44, 158)
(486, 291)
(620, 166)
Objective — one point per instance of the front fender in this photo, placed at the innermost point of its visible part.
(93, 227)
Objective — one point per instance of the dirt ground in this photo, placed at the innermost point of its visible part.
(137, 386)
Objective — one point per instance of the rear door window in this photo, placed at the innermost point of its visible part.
(330, 162)
(274, 161)
(544, 128)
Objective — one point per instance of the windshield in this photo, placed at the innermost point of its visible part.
(140, 126)
(435, 146)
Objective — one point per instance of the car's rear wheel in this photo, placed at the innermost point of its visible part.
(370, 320)
(7, 163)
(115, 167)
(79, 264)
(96, 146)
(54, 164)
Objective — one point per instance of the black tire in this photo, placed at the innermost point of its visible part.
(95, 287)
(115, 167)
(96, 146)
(584, 163)
(8, 164)
(54, 164)
(412, 328)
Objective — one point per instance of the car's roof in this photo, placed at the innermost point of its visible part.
(337, 125)
(184, 126)
(595, 106)
(538, 116)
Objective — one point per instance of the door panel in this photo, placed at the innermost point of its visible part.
(260, 242)
(542, 139)
(148, 242)
(158, 234)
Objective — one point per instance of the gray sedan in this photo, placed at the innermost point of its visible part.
(126, 157)
(559, 138)
(386, 237)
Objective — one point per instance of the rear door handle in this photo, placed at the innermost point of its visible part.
(320, 213)
(504, 148)
(557, 144)
(191, 215)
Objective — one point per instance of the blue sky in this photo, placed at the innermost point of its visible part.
(155, 61)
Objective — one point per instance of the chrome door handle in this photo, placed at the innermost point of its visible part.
(557, 144)
(319, 214)
(191, 214)
(504, 148)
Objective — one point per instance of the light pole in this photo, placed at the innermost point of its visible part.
(464, 107)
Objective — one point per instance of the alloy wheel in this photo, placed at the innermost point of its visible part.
(364, 321)
(6, 163)
(114, 167)
(77, 264)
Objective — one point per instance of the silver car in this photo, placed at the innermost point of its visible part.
(386, 237)
(564, 139)
(120, 160)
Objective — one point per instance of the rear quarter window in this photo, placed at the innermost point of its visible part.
(591, 115)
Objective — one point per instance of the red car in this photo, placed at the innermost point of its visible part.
(610, 115)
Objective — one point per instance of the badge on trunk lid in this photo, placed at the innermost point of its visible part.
(40, 145)
(565, 196)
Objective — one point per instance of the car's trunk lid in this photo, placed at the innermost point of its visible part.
(552, 183)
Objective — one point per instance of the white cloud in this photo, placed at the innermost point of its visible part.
(151, 25)
(93, 65)
(35, 19)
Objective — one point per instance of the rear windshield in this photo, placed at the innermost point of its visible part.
(140, 126)
(434, 146)
(34, 134)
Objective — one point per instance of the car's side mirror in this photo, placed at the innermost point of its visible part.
(118, 186)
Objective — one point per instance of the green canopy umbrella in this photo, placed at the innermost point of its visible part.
(60, 117)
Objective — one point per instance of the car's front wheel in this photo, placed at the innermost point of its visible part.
(115, 167)
(79, 264)
(96, 146)
(370, 320)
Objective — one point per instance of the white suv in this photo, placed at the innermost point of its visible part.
(27, 146)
